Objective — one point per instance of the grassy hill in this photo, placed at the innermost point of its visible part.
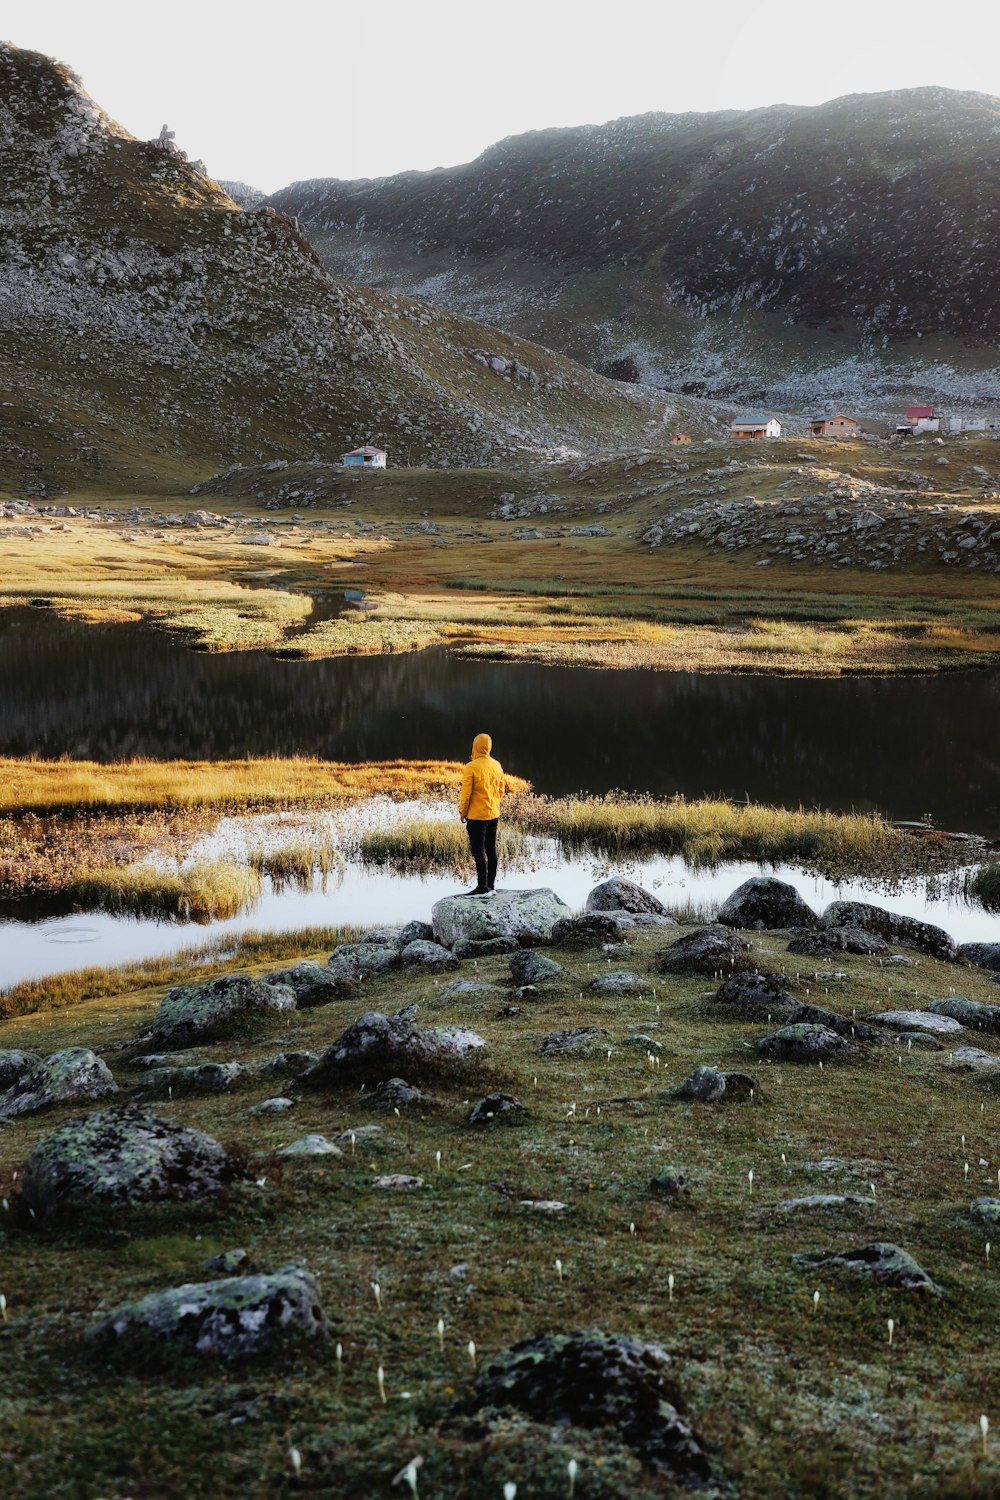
(152, 330)
(791, 255)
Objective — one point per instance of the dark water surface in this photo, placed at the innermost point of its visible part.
(905, 745)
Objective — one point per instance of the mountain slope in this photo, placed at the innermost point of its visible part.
(849, 243)
(150, 329)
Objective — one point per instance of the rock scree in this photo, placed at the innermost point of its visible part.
(527, 916)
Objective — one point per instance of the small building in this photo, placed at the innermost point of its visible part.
(835, 427)
(677, 438)
(922, 419)
(767, 427)
(365, 458)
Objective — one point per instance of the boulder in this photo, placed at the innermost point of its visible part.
(228, 1319)
(470, 989)
(804, 1043)
(884, 1263)
(414, 932)
(487, 948)
(821, 1201)
(617, 894)
(61, 1078)
(591, 930)
(986, 1209)
(906, 931)
(527, 916)
(668, 1182)
(530, 967)
(123, 1157)
(377, 1042)
(825, 940)
(978, 1015)
(431, 955)
(221, 1007)
(618, 982)
(707, 1084)
(198, 1078)
(287, 1064)
(596, 1382)
(396, 1093)
(311, 1145)
(983, 955)
(918, 1020)
(14, 1064)
(972, 1058)
(707, 950)
(314, 984)
(494, 1109)
(456, 1040)
(397, 1181)
(381, 937)
(353, 962)
(278, 1105)
(578, 1039)
(756, 994)
(765, 903)
(847, 1026)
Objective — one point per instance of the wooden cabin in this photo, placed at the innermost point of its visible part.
(835, 427)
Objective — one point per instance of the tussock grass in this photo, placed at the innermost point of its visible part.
(985, 885)
(432, 844)
(296, 863)
(201, 893)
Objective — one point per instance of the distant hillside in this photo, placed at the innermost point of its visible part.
(151, 331)
(243, 194)
(785, 255)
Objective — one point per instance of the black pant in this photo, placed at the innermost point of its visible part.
(483, 843)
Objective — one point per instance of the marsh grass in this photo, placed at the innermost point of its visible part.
(425, 844)
(984, 885)
(297, 863)
(205, 892)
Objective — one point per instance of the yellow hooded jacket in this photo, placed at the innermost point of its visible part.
(483, 782)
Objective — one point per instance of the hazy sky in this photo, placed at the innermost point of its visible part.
(268, 93)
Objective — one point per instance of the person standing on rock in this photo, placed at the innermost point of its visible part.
(483, 786)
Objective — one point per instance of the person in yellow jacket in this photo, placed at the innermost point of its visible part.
(483, 786)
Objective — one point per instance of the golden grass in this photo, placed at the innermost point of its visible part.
(296, 863)
(433, 844)
(205, 892)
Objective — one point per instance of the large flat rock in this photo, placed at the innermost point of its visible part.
(527, 916)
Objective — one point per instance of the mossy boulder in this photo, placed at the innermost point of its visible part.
(883, 1262)
(378, 1044)
(197, 1078)
(804, 1042)
(221, 1007)
(487, 948)
(123, 1157)
(228, 1319)
(978, 1015)
(527, 916)
(669, 1182)
(755, 994)
(706, 1085)
(352, 962)
(430, 954)
(616, 894)
(893, 927)
(596, 1382)
(314, 984)
(592, 929)
(987, 1210)
(708, 950)
(14, 1064)
(766, 903)
(61, 1078)
(983, 955)
(821, 941)
(530, 967)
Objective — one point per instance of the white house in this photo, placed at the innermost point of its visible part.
(767, 427)
(365, 458)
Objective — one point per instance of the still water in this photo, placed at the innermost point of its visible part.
(905, 746)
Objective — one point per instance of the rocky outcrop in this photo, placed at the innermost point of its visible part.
(229, 1319)
(226, 1006)
(983, 955)
(353, 962)
(978, 1015)
(61, 1078)
(120, 1158)
(919, 1020)
(527, 916)
(708, 950)
(765, 903)
(195, 1078)
(893, 927)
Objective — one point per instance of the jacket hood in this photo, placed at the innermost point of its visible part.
(482, 744)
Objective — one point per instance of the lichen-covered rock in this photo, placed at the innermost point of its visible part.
(707, 950)
(885, 1263)
(706, 1084)
(487, 948)
(414, 932)
(14, 1064)
(228, 1319)
(766, 903)
(374, 1042)
(531, 967)
(311, 1145)
(396, 1093)
(456, 1041)
(430, 954)
(287, 1064)
(470, 989)
(986, 1209)
(397, 1181)
(983, 955)
(61, 1078)
(752, 994)
(591, 930)
(618, 982)
(970, 1059)
(594, 1381)
(314, 984)
(495, 1108)
(353, 962)
(221, 1007)
(123, 1157)
(919, 1020)
(821, 1201)
(978, 1015)
(804, 1043)
(617, 894)
(825, 940)
(580, 1039)
(668, 1182)
(847, 1026)
(278, 1105)
(891, 925)
(527, 916)
(198, 1078)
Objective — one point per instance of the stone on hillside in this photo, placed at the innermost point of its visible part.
(764, 902)
(375, 1041)
(618, 982)
(591, 930)
(353, 962)
(470, 989)
(978, 1015)
(617, 894)
(456, 1040)
(907, 931)
(986, 1209)
(198, 1078)
(14, 1064)
(311, 1145)
(527, 916)
(848, 1026)
(228, 1319)
(974, 1057)
(706, 1084)
(707, 950)
(396, 1093)
(803, 1043)
(230, 1261)
(431, 955)
(397, 1181)
(822, 1201)
(668, 1182)
(287, 1064)
(488, 948)
(221, 1007)
(918, 1020)
(825, 940)
(380, 937)
(885, 1263)
(578, 1039)
(495, 1108)
(414, 932)
(531, 967)
(983, 955)
(61, 1078)
(314, 984)
(596, 1382)
(756, 994)
(123, 1157)
(279, 1105)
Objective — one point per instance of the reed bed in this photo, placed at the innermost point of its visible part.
(201, 893)
(432, 844)
(296, 863)
(984, 885)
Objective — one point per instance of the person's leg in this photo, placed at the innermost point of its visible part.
(490, 830)
(476, 830)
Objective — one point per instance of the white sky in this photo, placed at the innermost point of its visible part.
(271, 92)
